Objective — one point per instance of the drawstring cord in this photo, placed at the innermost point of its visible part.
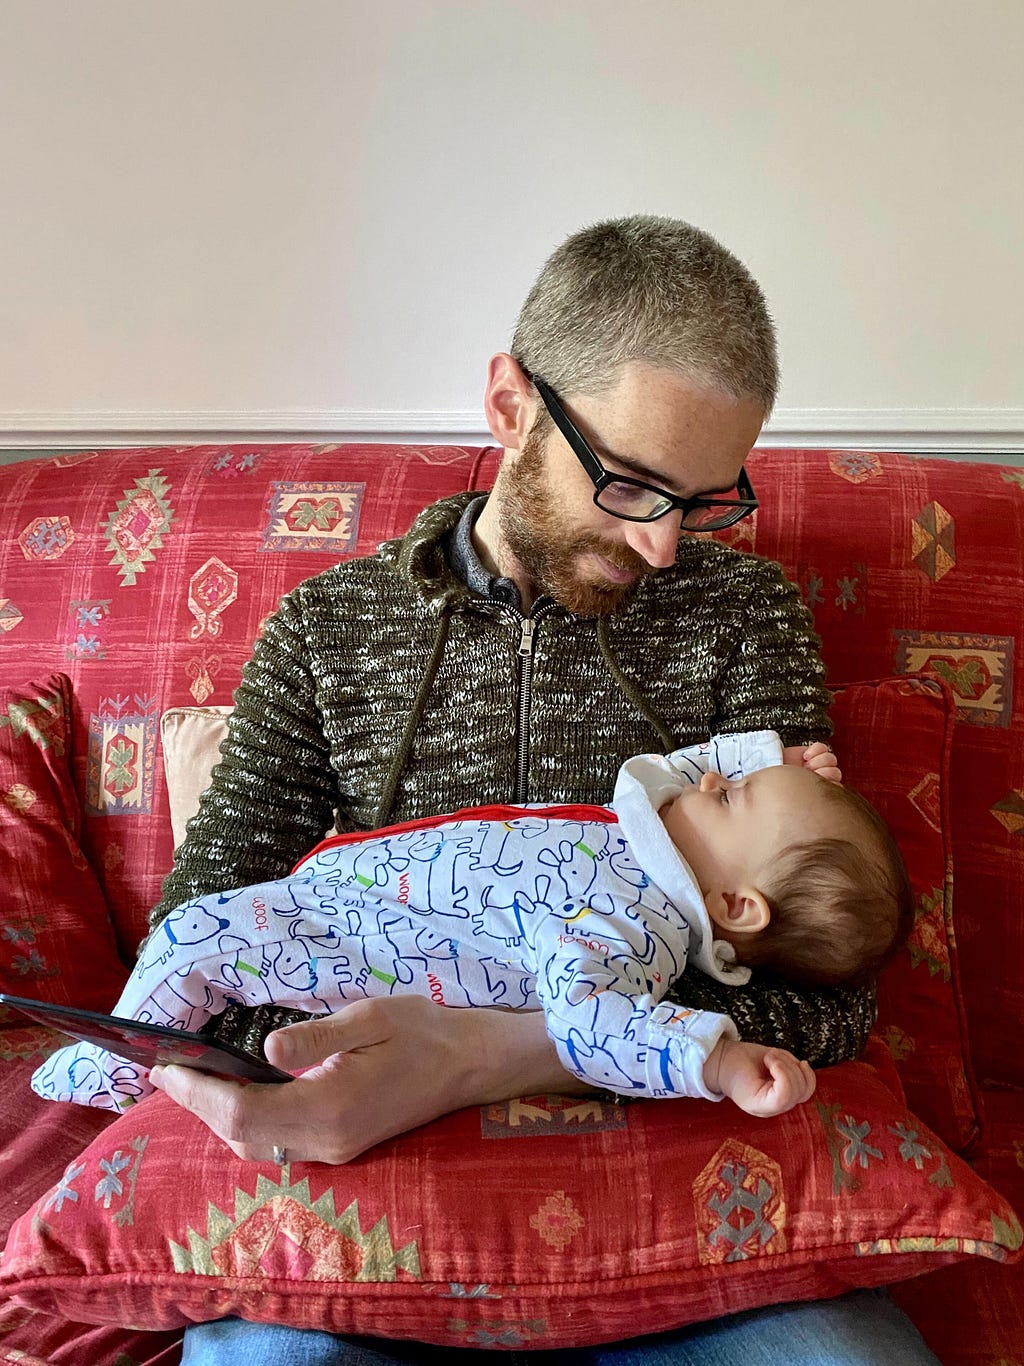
(387, 798)
(631, 690)
(401, 759)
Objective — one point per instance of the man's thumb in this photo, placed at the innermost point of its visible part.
(301, 1045)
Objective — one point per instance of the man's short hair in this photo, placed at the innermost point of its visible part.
(650, 289)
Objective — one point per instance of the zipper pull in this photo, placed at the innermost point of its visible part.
(526, 639)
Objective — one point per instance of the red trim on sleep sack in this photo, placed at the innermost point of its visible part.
(579, 812)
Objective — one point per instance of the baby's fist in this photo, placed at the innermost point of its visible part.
(762, 1081)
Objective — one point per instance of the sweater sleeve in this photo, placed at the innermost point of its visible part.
(272, 795)
(825, 1025)
(774, 678)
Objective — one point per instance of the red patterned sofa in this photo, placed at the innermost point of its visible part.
(134, 581)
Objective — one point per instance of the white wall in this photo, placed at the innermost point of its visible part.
(321, 216)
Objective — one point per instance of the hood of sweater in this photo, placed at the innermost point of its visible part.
(419, 554)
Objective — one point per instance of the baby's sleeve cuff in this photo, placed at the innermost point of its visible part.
(679, 1044)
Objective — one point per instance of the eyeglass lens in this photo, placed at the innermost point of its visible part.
(631, 500)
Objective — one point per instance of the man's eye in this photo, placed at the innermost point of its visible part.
(627, 493)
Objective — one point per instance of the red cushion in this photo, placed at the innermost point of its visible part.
(38, 1140)
(32, 1339)
(973, 1314)
(893, 738)
(57, 942)
(447, 1236)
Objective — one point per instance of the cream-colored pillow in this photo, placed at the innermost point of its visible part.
(191, 739)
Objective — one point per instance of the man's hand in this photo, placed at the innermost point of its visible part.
(817, 757)
(763, 1081)
(373, 1070)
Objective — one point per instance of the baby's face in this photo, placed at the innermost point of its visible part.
(731, 831)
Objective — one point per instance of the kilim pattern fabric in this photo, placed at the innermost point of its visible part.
(145, 576)
(849, 1190)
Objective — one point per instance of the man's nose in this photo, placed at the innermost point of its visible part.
(656, 541)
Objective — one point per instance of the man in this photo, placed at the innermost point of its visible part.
(518, 647)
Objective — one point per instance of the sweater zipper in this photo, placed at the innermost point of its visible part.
(527, 630)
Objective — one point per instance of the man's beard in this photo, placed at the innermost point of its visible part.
(534, 530)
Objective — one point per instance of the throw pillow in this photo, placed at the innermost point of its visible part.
(893, 739)
(511, 1225)
(190, 738)
(57, 942)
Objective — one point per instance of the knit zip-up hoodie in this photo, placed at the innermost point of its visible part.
(384, 690)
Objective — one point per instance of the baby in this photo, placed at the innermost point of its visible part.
(720, 853)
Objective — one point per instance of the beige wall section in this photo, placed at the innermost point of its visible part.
(249, 213)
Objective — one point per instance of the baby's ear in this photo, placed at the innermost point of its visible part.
(743, 912)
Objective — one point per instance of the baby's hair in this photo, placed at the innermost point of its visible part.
(840, 908)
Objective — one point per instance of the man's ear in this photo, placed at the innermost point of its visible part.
(509, 402)
(743, 912)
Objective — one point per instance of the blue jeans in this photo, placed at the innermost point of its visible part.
(864, 1328)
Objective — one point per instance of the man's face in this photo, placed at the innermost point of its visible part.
(649, 424)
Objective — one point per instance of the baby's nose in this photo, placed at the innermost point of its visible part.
(711, 782)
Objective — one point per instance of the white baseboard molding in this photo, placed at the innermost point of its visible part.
(994, 431)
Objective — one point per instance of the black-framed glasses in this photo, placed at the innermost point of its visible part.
(635, 501)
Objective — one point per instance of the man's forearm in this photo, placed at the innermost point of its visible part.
(512, 1055)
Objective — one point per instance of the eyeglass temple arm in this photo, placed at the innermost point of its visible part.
(568, 428)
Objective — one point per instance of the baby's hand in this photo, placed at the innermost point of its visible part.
(817, 757)
(761, 1080)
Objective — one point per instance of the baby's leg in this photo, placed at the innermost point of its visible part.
(295, 942)
(267, 944)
